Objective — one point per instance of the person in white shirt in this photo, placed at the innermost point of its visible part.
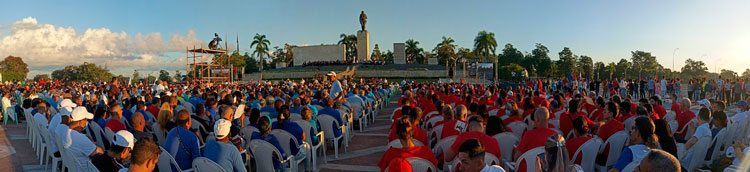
(704, 116)
(742, 111)
(471, 154)
(6, 103)
(62, 117)
(76, 143)
(41, 115)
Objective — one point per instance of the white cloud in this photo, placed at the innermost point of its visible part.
(46, 47)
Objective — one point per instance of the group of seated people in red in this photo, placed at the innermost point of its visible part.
(473, 118)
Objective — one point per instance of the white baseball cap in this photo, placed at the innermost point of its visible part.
(331, 73)
(221, 128)
(67, 103)
(80, 113)
(123, 138)
(240, 110)
(705, 102)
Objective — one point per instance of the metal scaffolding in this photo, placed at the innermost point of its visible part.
(216, 69)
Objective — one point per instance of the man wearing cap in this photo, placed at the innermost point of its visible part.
(335, 86)
(221, 151)
(62, 117)
(182, 143)
(76, 143)
(145, 156)
(115, 114)
(117, 155)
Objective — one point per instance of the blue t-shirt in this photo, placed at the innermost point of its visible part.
(295, 130)
(226, 155)
(177, 150)
(336, 115)
(275, 142)
(145, 117)
(631, 154)
(271, 111)
(126, 113)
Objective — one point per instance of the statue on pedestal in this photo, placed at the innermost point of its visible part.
(362, 19)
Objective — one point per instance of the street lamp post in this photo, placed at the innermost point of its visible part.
(673, 53)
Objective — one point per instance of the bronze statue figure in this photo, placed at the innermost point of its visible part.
(214, 44)
(362, 19)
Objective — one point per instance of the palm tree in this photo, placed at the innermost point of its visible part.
(350, 42)
(446, 49)
(261, 48)
(412, 50)
(485, 44)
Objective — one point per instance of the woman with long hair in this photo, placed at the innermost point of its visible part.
(642, 139)
(556, 158)
(666, 140)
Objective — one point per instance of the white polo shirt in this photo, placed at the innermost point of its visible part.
(79, 146)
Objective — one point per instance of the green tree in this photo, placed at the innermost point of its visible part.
(694, 69)
(611, 69)
(541, 60)
(445, 50)
(568, 62)
(376, 54)
(252, 64)
(507, 70)
(600, 71)
(388, 56)
(413, 52)
(39, 77)
(178, 75)
(728, 74)
(84, 72)
(746, 74)
(261, 49)
(644, 63)
(587, 66)
(13, 69)
(511, 55)
(485, 44)
(164, 76)
(350, 43)
(623, 67)
(136, 76)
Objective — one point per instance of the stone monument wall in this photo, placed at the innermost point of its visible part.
(318, 53)
(399, 53)
(363, 45)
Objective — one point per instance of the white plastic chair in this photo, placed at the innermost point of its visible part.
(54, 160)
(326, 124)
(507, 141)
(97, 134)
(160, 135)
(430, 114)
(718, 143)
(555, 122)
(588, 151)
(307, 127)
(616, 142)
(530, 158)
(491, 159)
(518, 128)
(432, 121)
(493, 112)
(673, 125)
(109, 134)
(421, 165)
(294, 117)
(699, 153)
(435, 135)
(204, 164)
(166, 161)
(529, 122)
(443, 145)
(670, 116)
(263, 154)
(247, 133)
(285, 138)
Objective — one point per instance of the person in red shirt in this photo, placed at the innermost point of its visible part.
(476, 131)
(684, 117)
(415, 116)
(400, 165)
(676, 108)
(453, 127)
(115, 114)
(539, 100)
(528, 107)
(566, 119)
(597, 113)
(657, 106)
(611, 126)
(154, 107)
(581, 130)
(536, 137)
(406, 106)
(405, 132)
(514, 116)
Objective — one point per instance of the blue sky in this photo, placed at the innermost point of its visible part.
(717, 32)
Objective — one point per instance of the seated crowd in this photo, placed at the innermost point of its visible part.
(119, 127)
(463, 127)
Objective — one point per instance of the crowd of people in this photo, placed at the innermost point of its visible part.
(122, 127)
(571, 125)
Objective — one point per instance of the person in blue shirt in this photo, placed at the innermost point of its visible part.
(293, 128)
(196, 98)
(330, 111)
(296, 105)
(642, 139)
(306, 114)
(221, 151)
(264, 126)
(182, 143)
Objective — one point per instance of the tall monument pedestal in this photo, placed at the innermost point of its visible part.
(363, 45)
(399, 53)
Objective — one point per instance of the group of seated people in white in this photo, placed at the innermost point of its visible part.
(472, 128)
(237, 127)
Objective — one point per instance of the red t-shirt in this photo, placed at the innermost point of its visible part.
(115, 125)
(659, 110)
(490, 144)
(400, 165)
(153, 110)
(423, 152)
(541, 102)
(566, 121)
(532, 139)
(573, 144)
(610, 128)
(597, 114)
(452, 128)
(511, 119)
(419, 134)
(397, 114)
(676, 108)
(682, 120)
